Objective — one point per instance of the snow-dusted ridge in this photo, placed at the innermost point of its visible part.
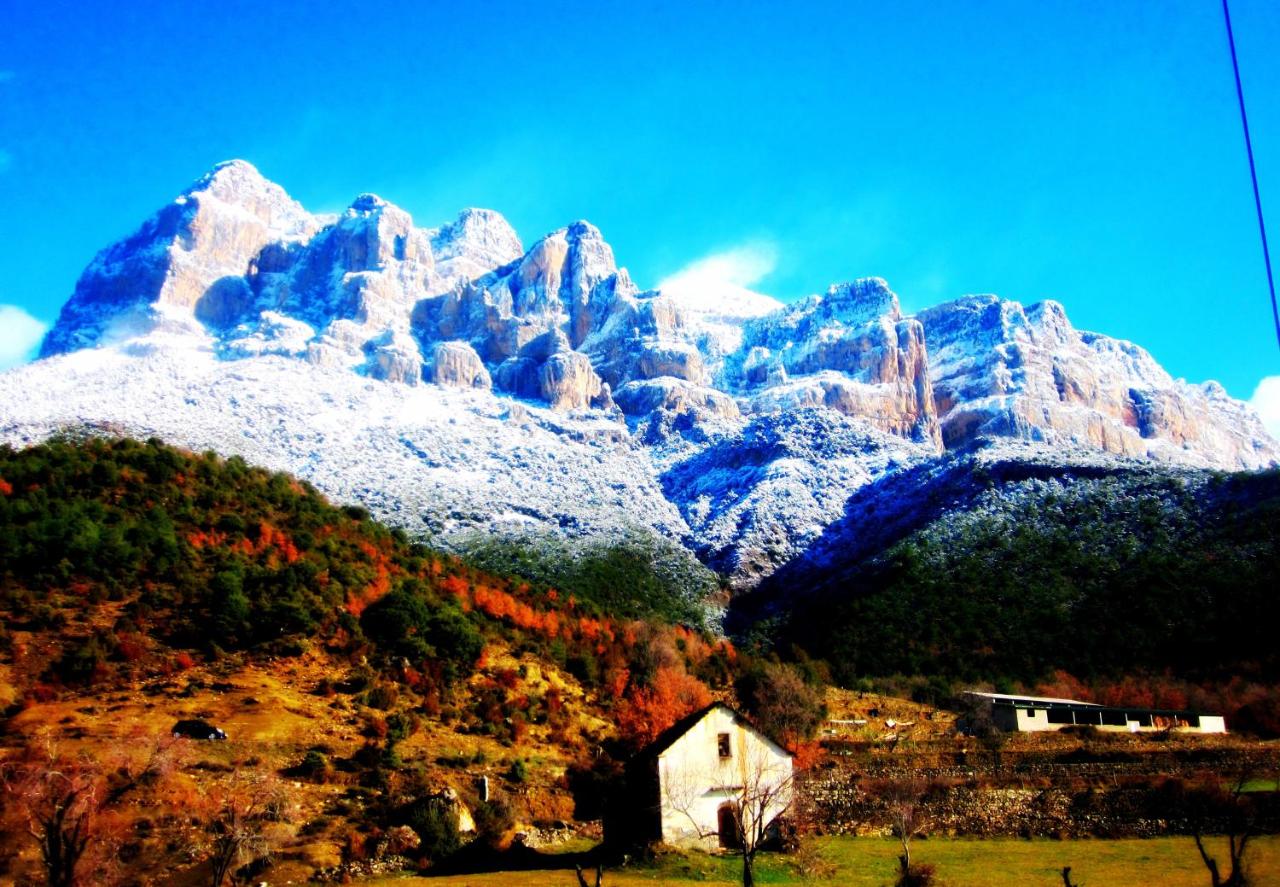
(455, 382)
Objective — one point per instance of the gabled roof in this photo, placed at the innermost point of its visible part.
(672, 734)
(1015, 698)
(1052, 702)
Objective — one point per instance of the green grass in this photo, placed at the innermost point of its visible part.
(1170, 862)
(872, 862)
(1261, 785)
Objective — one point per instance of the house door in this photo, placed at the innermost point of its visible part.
(730, 837)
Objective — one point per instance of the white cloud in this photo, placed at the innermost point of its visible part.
(720, 283)
(20, 335)
(1266, 400)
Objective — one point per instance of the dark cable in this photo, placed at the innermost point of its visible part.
(1253, 172)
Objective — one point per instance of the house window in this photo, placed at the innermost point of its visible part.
(722, 743)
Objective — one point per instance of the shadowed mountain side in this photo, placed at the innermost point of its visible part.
(989, 568)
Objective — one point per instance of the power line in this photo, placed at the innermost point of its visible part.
(1253, 172)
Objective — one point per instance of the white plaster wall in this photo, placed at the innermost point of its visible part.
(1032, 721)
(1035, 720)
(695, 781)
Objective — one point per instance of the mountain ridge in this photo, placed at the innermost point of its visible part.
(455, 381)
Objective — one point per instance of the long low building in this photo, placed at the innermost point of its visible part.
(1030, 714)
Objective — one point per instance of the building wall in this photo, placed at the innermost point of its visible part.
(695, 781)
(1031, 720)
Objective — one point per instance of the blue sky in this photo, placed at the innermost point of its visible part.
(1088, 152)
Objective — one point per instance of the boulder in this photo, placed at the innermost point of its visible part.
(567, 382)
(456, 365)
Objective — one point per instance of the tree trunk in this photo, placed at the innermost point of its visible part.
(223, 855)
(748, 874)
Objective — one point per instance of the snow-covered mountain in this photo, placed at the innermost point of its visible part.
(457, 383)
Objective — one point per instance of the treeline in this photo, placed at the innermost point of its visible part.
(633, 576)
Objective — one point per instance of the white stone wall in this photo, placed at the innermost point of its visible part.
(695, 781)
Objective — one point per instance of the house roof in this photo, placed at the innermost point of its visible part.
(1050, 702)
(669, 736)
(1011, 697)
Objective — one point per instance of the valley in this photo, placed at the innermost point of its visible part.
(387, 707)
(437, 535)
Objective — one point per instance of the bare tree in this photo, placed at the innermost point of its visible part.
(238, 822)
(66, 803)
(60, 803)
(906, 817)
(1231, 810)
(582, 879)
(752, 794)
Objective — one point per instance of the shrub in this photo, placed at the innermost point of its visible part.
(402, 624)
(518, 772)
(315, 765)
(437, 825)
(781, 703)
(921, 874)
(82, 664)
(382, 696)
(493, 820)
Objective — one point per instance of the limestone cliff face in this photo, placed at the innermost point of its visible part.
(567, 382)
(394, 357)
(999, 369)
(850, 350)
(677, 397)
(456, 365)
(237, 266)
(192, 255)
(526, 319)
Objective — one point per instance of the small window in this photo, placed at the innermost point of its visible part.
(722, 743)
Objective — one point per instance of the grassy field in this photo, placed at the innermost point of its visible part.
(871, 862)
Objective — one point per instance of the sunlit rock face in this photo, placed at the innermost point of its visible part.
(236, 264)
(456, 365)
(195, 254)
(850, 350)
(999, 369)
(490, 388)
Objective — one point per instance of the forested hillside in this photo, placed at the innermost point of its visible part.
(140, 585)
(1013, 573)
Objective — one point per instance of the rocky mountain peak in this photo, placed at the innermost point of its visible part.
(858, 302)
(1004, 370)
(237, 186)
(481, 235)
(704, 412)
(234, 260)
(366, 204)
(228, 178)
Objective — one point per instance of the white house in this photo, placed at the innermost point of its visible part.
(707, 781)
(1030, 714)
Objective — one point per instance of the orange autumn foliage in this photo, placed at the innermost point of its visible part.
(381, 584)
(459, 588)
(805, 754)
(647, 711)
(615, 681)
(206, 539)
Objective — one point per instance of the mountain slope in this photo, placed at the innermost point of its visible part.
(458, 384)
(141, 585)
(995, 566)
